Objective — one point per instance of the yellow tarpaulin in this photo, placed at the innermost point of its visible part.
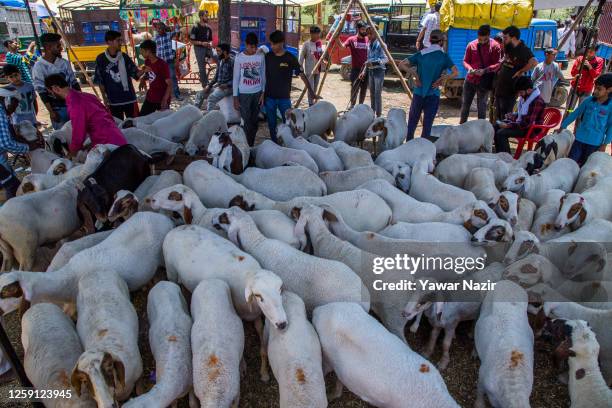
(499, 14)
(212, 6)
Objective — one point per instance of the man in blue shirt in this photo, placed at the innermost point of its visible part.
(594, 131)
(163, 39)
(429, 67)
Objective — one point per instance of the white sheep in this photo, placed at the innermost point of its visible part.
(51, 348)
(481, 182)
(543, 225)
(347, 180)
(230, 150)
(71, 248)
(202, 131)
(587, 387)
(149, 143)
(504, 343)
(32, 220)
(176, 126)
(59, 166)
(317, 281)
(295, 358)
(108, 328)
(326, 158)
(170, 340)
(318, 119)
(390, 131)
(597, 166)
(41, 160)
(427, 232)
(469, 137)
(532, 270)
(217, 341)
(269, 154)
(409, 153)
(455, 169)
(352, 125)
(352, 156)
(282, 183)
(407, 209)
(519, 212)
(578, 209)
(147, 119)
(561, 174)
(425, 187)
(598, 320)
(318, 140)
(555, 146)
(374, 374)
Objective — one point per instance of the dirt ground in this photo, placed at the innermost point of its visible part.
(462, 374)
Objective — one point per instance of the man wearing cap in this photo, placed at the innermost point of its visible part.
(358, 44)
(431, 65)
(53, 63)
(546, 74)
(430, 23)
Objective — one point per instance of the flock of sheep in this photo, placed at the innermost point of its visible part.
(283, 236)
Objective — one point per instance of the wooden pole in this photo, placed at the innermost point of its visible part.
(562, 41)
(327, 52)
(81, 66)
(385, 49)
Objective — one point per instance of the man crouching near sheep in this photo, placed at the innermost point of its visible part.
(87, 115)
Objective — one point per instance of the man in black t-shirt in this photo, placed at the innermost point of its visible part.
(280, 68)
(518, 60)
(201, 37)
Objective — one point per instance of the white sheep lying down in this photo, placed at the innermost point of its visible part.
(51, 349)
(169, 337)
(455, 168)
(108, 328)
(375, 374)
(469, 137)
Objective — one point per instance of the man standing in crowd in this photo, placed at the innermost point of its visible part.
(163, 39)
(358, 44)
(518, 59)
(546, 74)
(530, 111)
(592, 68)
(23, 62)
(375, 65)
(280, 68)
(88, 116)
(114, 73)
(53, 63)
(158, 74)
(309, 56)
(221, 85)
(569, 47)
(249, 83)
(482, 60)
(595, 129)
(430, 23)
(201, 37)
(431, 65)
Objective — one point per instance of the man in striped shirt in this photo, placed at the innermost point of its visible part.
(24, 62)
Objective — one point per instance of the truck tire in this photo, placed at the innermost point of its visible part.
(345, 72)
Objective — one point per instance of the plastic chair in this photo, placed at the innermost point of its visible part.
(552, 119)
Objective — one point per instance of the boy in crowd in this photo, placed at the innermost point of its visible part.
(429, 66)
(20, 98)
(23, 62)
(221, 85)
(280, 67)
(160, 83)
(87, 115)
(530, 111)
(594, 131)
(114, 73)
(53, 63)
(546, 74)
(249, 83)
(309, 56)
(593, 67)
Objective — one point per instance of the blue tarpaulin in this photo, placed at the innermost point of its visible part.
(12, 3)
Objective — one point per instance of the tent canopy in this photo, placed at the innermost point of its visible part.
(557, 4)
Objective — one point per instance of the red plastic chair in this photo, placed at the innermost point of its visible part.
(552, 119)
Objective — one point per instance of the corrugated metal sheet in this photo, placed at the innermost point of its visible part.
(605, 24)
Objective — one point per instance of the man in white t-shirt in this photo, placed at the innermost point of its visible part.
(430, 23)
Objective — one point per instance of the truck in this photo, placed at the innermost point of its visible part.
(15, 23)
(540, 34)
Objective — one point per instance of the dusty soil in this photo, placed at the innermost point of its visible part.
(462, 374)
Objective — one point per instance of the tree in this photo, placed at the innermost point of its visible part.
(311, 11)
(224, 16)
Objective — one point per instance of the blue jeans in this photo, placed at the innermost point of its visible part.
(580, 152)
(376, 78)
(429, 106)
(63, 114)
(271, 105)
(175, 87)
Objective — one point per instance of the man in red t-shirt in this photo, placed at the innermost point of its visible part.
(592, 68)
(358, 44)
(160, 82)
